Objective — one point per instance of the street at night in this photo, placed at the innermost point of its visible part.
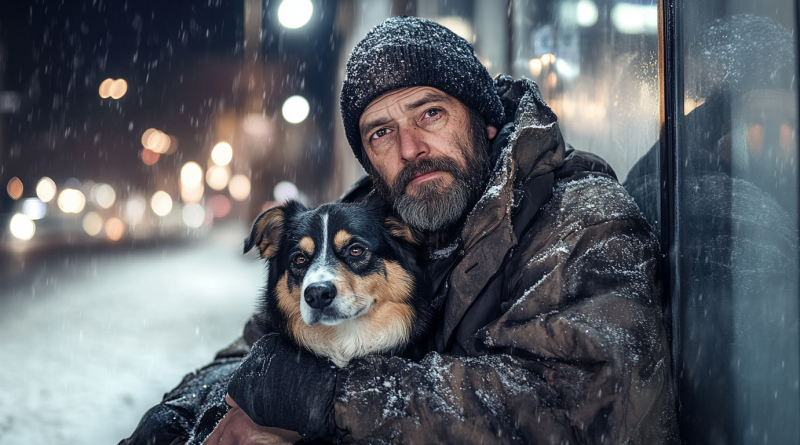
(89, 343)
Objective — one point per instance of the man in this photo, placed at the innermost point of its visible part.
(549, 326)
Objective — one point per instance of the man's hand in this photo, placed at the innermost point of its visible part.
(236, 428)
(282, 386)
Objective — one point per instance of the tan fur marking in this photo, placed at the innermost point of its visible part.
(342, 239)
(399, 229)
(269, 230)
(288, 302)
(307, 245)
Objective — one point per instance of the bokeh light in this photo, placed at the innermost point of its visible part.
(115, 228)
(46, 189)
(156, 141)
(92, 224)
(217, 177)
(191, 174)
(118, 88)
(34, 208)
(104, 195)
(222, 153)
(295, 109)
(586, 13)
(285, 191)
(192, 194)
(134, 209)
(71, 201)
(161, 203)
(105, 88)
(220, 206)
(149, 157)
(14, 188)
(295, 13)
(22, 227)
(193, 215)
(239, 187)
(535, 66)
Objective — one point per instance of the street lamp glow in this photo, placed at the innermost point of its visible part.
(22, 227)
(586, 14)
(46, 189)
(221, 154)
(191, 174)
(14, 188)
(105, 88)
(295, 109)
(34, 208)
(105, 196)
(161, 203)
(134, 210)
(71, 201)
(217, 177)
(92, 224)
(192, 195)
(295, 13)
(239, 187)
(115, 229)
(285, 191)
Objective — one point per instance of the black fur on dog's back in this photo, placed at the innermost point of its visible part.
(387, 271)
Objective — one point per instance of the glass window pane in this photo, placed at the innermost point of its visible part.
(737, 223)
(596, 63)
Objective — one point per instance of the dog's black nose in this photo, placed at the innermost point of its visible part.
(320, 295)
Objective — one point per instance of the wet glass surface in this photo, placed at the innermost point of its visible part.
(737, 246)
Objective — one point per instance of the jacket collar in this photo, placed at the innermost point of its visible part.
(527, 152)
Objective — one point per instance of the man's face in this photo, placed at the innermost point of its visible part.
(428, 158)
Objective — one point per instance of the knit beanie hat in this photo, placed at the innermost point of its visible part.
(406, 52)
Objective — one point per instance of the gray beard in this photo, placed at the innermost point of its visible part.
(434, 207)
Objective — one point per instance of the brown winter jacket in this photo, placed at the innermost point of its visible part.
(550, 323)
(551, 326)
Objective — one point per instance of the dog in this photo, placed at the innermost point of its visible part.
(342, 280)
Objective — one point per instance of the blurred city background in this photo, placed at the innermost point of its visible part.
(139, 139)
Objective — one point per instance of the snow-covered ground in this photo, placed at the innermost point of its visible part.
(88, 346)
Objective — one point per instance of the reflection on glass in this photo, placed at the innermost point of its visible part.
(738, 253)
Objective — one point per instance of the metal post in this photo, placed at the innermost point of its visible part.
(671, 100)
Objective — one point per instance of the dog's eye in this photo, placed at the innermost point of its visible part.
(356, 250)
(300, 259)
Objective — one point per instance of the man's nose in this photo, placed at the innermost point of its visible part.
(412, 146)
(320, 295)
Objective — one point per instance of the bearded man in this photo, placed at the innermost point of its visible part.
(543, 271)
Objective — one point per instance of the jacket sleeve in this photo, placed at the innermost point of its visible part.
(579, 356)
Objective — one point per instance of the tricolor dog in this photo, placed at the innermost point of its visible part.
(342, 279)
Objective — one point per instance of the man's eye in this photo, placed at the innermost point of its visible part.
(300, 259)
(356, 250)
(380, 133)
(433, 112)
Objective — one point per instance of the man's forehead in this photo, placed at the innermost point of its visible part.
(400, 96)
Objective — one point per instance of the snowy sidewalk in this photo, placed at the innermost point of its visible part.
(88, 348)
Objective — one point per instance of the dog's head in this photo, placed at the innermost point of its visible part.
(339, 273)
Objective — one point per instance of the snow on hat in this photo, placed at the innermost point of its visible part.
(405, 52)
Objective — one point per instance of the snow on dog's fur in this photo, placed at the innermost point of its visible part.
(342, 279)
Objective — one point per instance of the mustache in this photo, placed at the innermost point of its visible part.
(421, 167)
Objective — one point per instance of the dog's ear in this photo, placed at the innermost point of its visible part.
(266, 232)
(400, 230)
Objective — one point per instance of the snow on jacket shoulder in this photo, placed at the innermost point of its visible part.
(551, 328)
